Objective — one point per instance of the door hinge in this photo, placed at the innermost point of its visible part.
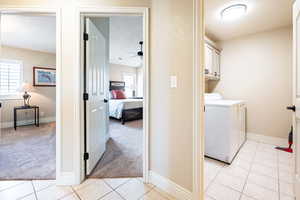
(85, 96)
(86, 156)
(85, 36)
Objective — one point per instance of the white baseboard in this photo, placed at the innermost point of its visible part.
(169, 187)
(66, 178)
(26, 122)
(267, 139)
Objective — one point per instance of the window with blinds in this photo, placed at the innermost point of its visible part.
(10, 77)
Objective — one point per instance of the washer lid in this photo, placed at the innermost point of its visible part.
(212, 96)
(223, 103)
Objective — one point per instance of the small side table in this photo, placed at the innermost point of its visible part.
(36, 114)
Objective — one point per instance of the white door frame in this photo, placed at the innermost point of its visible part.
(198, 100)
(57, 13)
(109, 11)
(295, 77)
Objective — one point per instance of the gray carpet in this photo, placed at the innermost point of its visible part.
(28, 153)
(124, 155)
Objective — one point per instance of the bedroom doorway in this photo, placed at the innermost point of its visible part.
(28, 94)
(114, 95)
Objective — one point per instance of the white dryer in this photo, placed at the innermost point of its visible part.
(225, 129)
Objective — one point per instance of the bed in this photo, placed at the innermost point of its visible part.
(124, 109)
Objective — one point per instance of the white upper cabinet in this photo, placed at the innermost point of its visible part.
(212, 62)
(209, 52)
(216, 65)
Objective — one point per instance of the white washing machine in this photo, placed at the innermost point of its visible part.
(225, 129)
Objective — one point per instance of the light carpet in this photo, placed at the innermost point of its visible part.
(124, 155)
(28, 152)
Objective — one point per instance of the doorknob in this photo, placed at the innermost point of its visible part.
(105, 100)
(293, 108)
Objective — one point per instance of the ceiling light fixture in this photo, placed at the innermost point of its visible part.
(234, 11)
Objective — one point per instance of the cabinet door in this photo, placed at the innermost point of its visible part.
(216, 64)
(209, 59)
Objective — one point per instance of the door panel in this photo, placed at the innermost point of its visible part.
(95, 106)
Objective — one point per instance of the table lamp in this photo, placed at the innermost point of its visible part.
(26, 87)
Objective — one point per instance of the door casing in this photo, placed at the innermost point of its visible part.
(57, 13)
(296, 67)
(106, 12)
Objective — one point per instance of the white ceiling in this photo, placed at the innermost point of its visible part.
(262, 15)
(29, 32)
(38, 33)
(125, 34)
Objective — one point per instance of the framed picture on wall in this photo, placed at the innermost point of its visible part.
(44, 77)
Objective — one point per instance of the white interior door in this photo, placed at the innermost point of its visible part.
(296, 93)
(96, 111)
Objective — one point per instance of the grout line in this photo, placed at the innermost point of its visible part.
(75, 193)
(120, 195)
(251, 164)
(23, 182)
(105, 195)
(145, 194)
(213, 180)
(109, 185)
(278, 179)
(35, 194)
(44, 187)
(27, 195)
(129, 179)
(115, 190)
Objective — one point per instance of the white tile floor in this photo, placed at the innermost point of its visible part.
(258, 173)
(91, 189)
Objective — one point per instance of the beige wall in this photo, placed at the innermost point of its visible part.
(171, 111)
(116, 71)
(116, 74)
(258, 69)
(44, 97)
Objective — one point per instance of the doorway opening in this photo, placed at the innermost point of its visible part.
(248, 72)
(28, 95)
(115, 100)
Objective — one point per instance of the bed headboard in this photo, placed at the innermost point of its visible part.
(116, 85)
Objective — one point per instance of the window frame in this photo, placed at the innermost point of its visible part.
(135, 81)
(17, 94)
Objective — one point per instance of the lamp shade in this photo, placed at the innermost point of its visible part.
(27, 87)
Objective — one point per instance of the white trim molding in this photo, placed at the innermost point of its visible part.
(170, 187)
(67, 178)
(57, 12)
(267, 139)
(198, 99)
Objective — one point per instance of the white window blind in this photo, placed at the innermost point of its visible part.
(130, 83)
(10, 77)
